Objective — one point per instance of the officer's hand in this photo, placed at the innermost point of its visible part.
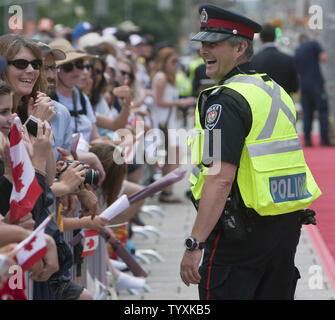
(189, 267)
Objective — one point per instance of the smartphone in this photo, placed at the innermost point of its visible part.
(31, 125)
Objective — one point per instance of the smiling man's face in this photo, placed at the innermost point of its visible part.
(220, 58)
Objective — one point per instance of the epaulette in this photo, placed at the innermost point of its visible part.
(216, 91)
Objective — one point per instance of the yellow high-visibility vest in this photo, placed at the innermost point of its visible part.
(273, 176)
(183, 84)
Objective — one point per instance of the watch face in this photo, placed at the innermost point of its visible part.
(189, 243)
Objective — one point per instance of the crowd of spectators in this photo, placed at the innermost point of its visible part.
(94, 94)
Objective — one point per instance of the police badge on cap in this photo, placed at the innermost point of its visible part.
(204, 16)
(218, 24)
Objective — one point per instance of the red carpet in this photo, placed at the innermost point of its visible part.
(321, 161)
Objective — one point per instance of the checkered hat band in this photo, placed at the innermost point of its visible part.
(211, 36)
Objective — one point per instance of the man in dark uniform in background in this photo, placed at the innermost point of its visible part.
(308, 56)
(278, 65)
(247, 225)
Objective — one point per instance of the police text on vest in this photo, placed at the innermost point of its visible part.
(288, 188)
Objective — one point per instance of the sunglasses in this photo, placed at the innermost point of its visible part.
(99, 71)
(87, 66)
(23, 64)
(68, 67)
(124, 73)
(53, 68)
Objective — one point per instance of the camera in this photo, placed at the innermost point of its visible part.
(31, 125)
(91, 175)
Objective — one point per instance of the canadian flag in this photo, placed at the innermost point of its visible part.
(33, 248)
(91, 242)
(26, 188)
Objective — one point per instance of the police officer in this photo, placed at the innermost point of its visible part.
(251, 182)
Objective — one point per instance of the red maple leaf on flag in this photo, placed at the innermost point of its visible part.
(90, 244)
(29, 246)
(17, 174)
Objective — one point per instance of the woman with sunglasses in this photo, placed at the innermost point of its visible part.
(26, 78)
(92, 82)
(127, 75)
(106, 120)
(107, 123)
(85, 83)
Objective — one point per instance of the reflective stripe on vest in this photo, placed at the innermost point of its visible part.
(196, 171)
(272, 147)
(277, 104)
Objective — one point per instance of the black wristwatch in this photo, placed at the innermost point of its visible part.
(192, 244)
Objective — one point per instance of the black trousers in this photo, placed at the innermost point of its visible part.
(312, 100)
(257, 268)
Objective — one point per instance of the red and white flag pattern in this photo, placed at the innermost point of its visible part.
(26, 188)
(33, 248)
(91, 242)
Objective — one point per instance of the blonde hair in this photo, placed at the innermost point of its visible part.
(160, 63)
(134, 85)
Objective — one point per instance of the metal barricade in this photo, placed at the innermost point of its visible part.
(93, 266)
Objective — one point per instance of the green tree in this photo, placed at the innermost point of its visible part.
(164, 25)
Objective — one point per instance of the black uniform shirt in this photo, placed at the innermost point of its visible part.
(227, 110)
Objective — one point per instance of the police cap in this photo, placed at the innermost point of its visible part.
(218, 24)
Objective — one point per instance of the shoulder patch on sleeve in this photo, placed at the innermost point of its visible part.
(212, 116)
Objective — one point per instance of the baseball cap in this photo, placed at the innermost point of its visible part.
(80, 29)
(57, 53)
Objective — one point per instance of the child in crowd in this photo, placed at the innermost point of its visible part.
(6, 106)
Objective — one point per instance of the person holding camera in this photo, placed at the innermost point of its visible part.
(26, 78)
(65, 187)
(10, 234)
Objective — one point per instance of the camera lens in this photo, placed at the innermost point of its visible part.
(91, 177)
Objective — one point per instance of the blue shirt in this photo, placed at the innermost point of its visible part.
(61, 128)
(83, 122)
(307, 63)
